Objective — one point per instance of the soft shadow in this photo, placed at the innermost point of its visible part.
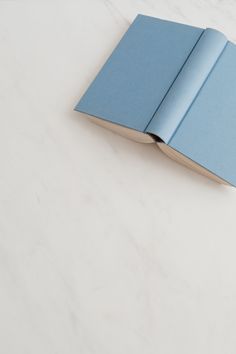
(149, 152)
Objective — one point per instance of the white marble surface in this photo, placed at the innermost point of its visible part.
(106, 246)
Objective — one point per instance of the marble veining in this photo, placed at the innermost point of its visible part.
(106, 245)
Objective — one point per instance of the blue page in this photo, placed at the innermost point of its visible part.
(136, 77)
(207, 134)
(189, 81)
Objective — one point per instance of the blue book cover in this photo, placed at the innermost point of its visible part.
(176, 84)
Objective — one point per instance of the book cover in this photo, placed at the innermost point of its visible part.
(174, 84)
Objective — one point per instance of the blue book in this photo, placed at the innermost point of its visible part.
(174, 85)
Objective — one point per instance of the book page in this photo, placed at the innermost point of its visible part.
(207, 134)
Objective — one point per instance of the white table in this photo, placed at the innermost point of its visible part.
(106, 245)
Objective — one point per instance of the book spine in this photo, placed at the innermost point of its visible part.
(187, 84)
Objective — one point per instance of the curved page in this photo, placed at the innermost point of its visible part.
(207, 135)
(187, 84)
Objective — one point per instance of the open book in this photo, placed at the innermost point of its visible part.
(174, 85)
